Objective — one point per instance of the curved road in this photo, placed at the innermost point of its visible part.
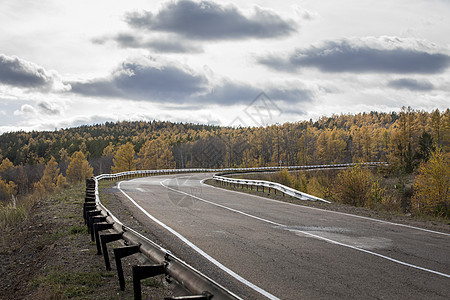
(260, 248)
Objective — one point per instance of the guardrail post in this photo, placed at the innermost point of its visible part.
(89, 198)
(142, 272)
(107, 238)
(88, 206)
(120, 253)
(89, 215)
(99, 227)
(95, 219)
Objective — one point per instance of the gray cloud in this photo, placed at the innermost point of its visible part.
(160, 45)
(20, 73)
(25, 109)
(229, 93)
(47, 108)
(171, 84)
(207, 20)
(411, 84)
(144, 82)
(370, 55)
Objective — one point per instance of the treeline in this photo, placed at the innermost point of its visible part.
(404, 139)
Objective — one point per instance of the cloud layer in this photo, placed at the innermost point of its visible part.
(411, 84)
(149, 80)
(207, 20)
(181, 26)
(364, 55)
(21, 73)
(144, 80)
(159, 45)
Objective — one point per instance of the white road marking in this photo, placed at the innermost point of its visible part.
(141, 190)
(200, 251)
(331, 211)
(373, 253)
(310, 234)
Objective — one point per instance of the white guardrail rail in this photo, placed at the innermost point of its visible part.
(230, 170)
(98, 218)
(271, 185)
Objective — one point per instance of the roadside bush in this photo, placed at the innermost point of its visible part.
(356, 186)
(284, 177)
(432, 186)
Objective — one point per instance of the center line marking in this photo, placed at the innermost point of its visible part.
(310, 234)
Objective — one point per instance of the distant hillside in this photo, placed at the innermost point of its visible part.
(401, 138)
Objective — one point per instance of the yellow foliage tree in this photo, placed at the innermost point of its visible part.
(124, 159)
(39, 190)
(284, 177)
(79, 168)
(155, 154)
(108, 151)
(432, 186)
(354, 186)
(61, 182)
(6, 165)
(50, 177)
(7, 189)
(165, 161)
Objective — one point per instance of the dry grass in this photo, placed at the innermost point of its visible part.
(13, 214)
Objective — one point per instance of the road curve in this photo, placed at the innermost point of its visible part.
(260, 248)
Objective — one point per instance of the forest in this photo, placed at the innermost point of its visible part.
(42, 161)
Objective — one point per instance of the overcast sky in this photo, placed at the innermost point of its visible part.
(73, 62)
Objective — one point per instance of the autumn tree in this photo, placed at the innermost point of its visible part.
(108, 151)
(155, 154)
(6, 165)
(331, 146)
(424, 148)
(63, 160)
(79, 168)
(7, 190)
(50, 177)
(148, 155)
(354, 186)
(446, 133)
(61, 182)
(432, 186)
(165, 161)
(124, 159)
(436, 126)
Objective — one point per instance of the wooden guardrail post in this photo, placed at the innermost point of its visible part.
(142, 272)
(107, 238)
(120, 253)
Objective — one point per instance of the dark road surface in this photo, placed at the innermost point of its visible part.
(260, 248)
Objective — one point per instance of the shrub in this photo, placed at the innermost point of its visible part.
(432, 186)
(354, 186)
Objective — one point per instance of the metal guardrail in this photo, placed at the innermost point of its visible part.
(285, 189)
(229, 170)
(98, 218)
(270, 185)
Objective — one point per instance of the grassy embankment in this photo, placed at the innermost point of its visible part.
(47, 254)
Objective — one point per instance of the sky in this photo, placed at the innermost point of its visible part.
(231, 63)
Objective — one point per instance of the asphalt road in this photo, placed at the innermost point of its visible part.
(260, 248)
